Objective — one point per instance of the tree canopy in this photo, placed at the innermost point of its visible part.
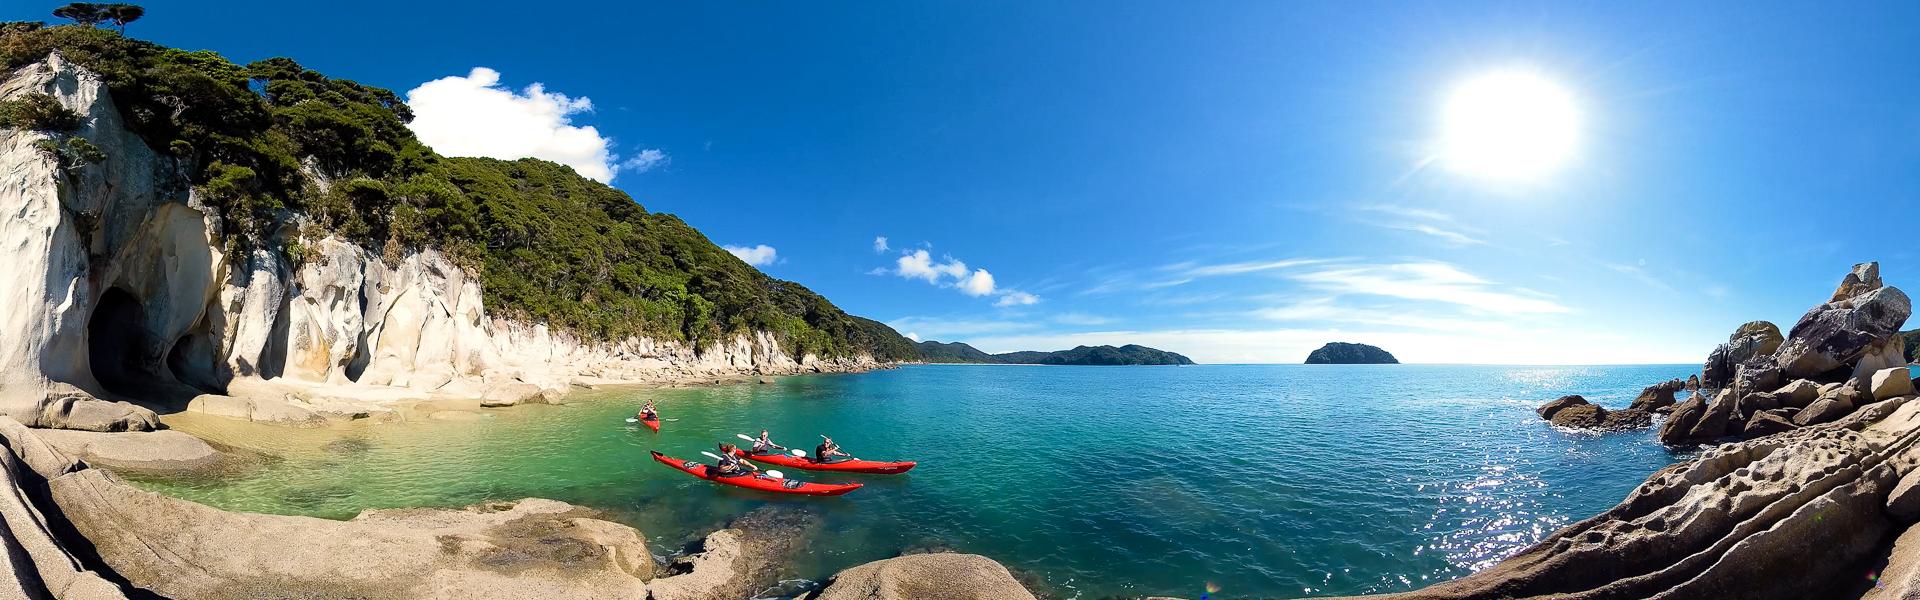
(91, 13)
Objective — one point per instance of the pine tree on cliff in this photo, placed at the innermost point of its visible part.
(93, 14)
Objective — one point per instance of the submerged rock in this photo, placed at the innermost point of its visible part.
(934, 576)
(1546, 411)
(1574, 412)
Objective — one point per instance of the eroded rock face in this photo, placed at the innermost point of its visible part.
(1834, 336)
(1784, 516)
(935, 576)
(1755, 338)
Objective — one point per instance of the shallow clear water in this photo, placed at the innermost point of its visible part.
(1270, 481)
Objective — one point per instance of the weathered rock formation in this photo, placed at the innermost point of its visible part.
(1658, 397)
(935, 576)
(1858, 328)
(118, 290)
(1756, 338)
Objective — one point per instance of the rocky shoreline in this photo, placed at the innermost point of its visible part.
(1812, 492)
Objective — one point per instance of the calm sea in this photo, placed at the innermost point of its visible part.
(1267, 481)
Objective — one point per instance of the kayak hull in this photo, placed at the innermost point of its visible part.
(653, 424)
(756, 482)
(846, 466)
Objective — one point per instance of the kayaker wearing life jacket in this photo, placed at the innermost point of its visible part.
(647, 413)
(732, 465)
(765, 445)
(827, 450)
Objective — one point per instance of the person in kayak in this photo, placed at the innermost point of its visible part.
(731, 465)
(647, 413)
(827, 450)
(765, 445)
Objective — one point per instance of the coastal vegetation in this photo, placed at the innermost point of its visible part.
(287, 156)
(1130, 354)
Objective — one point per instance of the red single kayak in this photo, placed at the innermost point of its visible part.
(653, 424)
(757, 482)
(852, 465)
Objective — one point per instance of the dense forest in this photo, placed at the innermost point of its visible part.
(287, 155)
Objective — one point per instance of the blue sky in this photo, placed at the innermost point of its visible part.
(1239, 182)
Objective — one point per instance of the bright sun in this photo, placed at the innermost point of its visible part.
(1509, 125)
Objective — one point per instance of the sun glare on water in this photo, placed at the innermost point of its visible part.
(1508, 125)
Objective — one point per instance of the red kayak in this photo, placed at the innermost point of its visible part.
(852, 465)
(757, 482)
(653, 423)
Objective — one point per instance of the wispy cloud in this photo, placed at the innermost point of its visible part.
(1428, 281)
(1241, 268)
(950, 329)
(1330, 310)
(1639, 272)
(1450, 236)
(880, 243)
(1081, 319)
(1017, 299)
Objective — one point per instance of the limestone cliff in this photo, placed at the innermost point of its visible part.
(122, 291)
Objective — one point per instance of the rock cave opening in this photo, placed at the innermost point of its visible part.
(117, 343)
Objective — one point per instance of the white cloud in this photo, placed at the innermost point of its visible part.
(647, 160)
(913, 336)
(950, 272)
(477, 116)
(919, 264)
(1017, 299)
(880, 243)
(759, 256)
(980, 283)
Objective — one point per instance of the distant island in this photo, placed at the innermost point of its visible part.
(1130, 354)
(1342, 353)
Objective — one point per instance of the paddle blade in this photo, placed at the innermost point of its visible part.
(710, 455)
(776, 474)
(632, 420)
(743, 436)
(798, 453)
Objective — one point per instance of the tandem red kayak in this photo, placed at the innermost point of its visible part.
(756, 482)
(653, 423)
(854, 465)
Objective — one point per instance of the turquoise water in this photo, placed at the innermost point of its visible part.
(1269, 481)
